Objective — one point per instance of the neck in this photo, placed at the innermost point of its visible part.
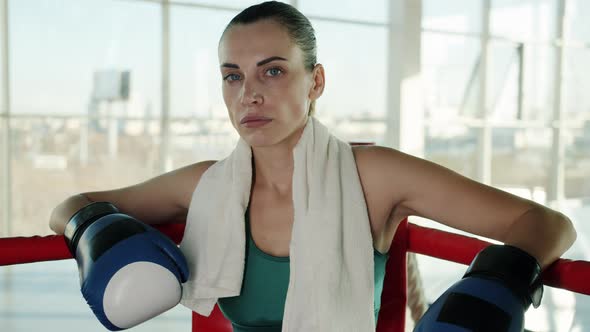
(273, 165)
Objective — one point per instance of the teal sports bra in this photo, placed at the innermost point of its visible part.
(261, 303)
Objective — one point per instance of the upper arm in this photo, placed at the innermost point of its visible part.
(162, 199)
(414, 186)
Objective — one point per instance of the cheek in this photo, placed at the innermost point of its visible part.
(294, 95)
(229, 97)
(229, 100)
(226, 93)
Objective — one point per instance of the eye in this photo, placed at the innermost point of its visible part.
(274, 71)
(232, 77)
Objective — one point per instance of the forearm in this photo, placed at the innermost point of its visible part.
(65, 210)
(543, 233)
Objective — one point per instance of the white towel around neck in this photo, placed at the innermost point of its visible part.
(331, 281)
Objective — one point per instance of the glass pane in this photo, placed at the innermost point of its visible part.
(452, 15)
(374, 11)
(577, 161)
(77, 39)
(195, 81)
(54, 158)
(452, 146)
(201, 130)
(523, 20)
(576, 84)
(512, 97)
(195, 140)
(539, 82)
(503, 80)
(520, 161)
(353, 103)
(576, 20)
(450, 67)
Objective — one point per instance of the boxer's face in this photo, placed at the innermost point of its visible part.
(266, 88)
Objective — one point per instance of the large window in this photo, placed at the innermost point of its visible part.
(195, 82)
(353, 103)
(512, 120)
(200, 129)
(450, 62)
(449, 68)
(508, 136)
(66, 139)
(56, 48)
(576, 115)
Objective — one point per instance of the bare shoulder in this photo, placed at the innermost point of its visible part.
(380, 170)
(377, 157)
(196, 170)
(376, 162)
(373, 156)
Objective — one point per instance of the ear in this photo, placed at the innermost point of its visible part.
(318, 83)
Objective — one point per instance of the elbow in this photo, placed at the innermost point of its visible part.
(563, 237)
(56, 219)
(544, 233)
(54, 223)
(567, 232)
(62, 213)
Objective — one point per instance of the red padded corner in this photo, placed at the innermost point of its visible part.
(216, 322)
(392, 315)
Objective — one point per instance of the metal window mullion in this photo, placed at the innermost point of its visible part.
(164, 153)
(484, 150)
(555, 192)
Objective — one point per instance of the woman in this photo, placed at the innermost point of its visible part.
(271, 80)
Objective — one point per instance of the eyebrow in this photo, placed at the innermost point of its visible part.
(260, 63)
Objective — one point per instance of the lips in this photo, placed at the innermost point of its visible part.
(254, 121)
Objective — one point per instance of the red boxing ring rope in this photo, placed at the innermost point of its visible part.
(564, 273)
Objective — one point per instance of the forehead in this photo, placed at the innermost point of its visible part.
(255, 42)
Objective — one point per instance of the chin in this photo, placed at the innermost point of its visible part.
(259, 140)
(269, 136)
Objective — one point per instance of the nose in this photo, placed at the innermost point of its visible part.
(251, 94)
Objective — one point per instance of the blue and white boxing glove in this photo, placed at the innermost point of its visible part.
(499, 286)
(129, 271)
